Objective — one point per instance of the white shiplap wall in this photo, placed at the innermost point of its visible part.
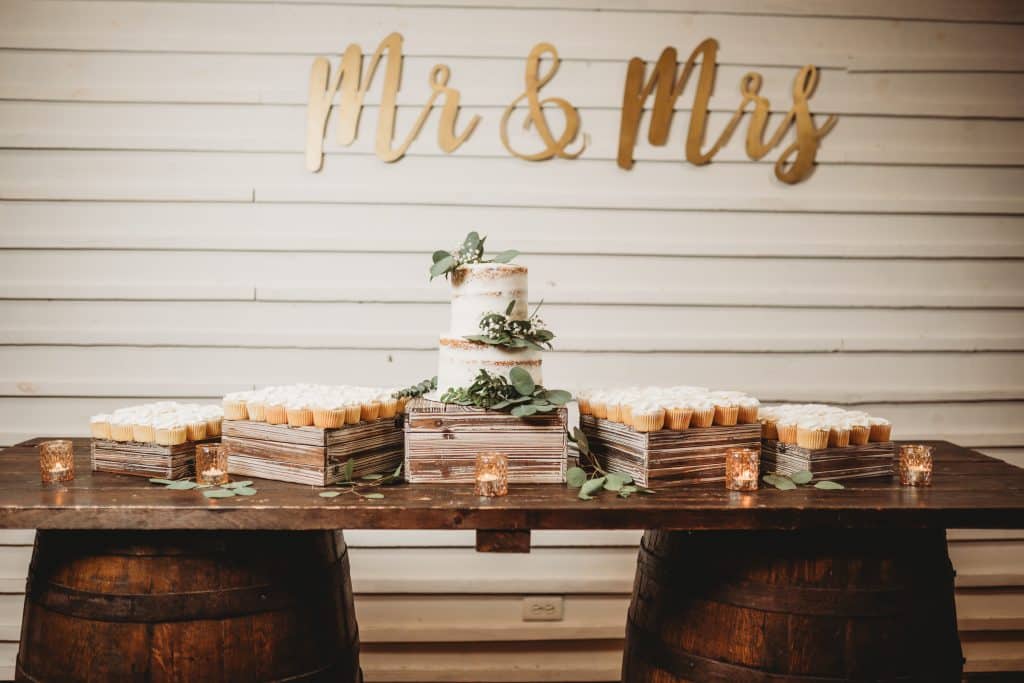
(159, 237)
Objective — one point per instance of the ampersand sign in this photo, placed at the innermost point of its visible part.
(534, 82)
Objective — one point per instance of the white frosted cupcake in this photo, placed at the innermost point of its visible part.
(703, 412)
(196, 429)
(812, 434)
(167, 432)
(99, 426)
(647, 417)
(748, 409)
(299, 414)
(142, 430)
(881, 429)
(235, 405)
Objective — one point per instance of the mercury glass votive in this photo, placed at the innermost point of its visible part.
(211, 464)
(915, 465)
(491, 474)
(56, 461)
(742, 466)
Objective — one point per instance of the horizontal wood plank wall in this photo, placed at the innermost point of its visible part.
(160, 238)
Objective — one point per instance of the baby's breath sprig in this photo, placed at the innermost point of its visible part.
(470, 251)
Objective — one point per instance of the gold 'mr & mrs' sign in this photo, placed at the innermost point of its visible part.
(666, 83)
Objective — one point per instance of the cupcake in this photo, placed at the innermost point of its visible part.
(583, 401)
(99, 425)
(614, 410)
(626, 414)
(703, 412)
(726, 413)
(256, 410)
(328, 417)
(403, 401)
(275, 412)
(299, 414)
(748, 410)
(647, 417)
(143, 431)
(170, 434)
(677, 417)
(786, 429)
(860, 430)
(369, 411)
(388, 407)
(196, 430)
(812, 434)
(598, 407)
(881, 429)
(235, 406)
(120, 428)
(839, 435)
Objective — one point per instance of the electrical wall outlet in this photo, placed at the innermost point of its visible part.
(543, 608)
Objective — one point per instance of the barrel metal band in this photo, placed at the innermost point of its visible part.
(222, 603)
(641, 642)
(324, 673)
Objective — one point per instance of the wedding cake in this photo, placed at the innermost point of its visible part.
(478, 290)
(491, 328)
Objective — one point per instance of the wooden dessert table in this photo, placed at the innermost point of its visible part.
(133, 582)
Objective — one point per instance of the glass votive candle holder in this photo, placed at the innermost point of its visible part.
(915, 465)
(742, 467)
(491, 474)
(211, 464)
(56, 461)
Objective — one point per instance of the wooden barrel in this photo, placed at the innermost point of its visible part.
(793, 607)
(189, 606)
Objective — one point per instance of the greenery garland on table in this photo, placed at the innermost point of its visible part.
(499, 330)
(470, 251)
(417, 390)
(368, 481)
(518, 394)
(228, 490)
(802, 478)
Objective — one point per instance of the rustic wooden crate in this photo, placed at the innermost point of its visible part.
(145, 459)
(442, 440)
(311, 455)
(666, 458)
(851, 462)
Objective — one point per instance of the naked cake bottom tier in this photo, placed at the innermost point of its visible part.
(667, 458)
(310, 455)
(442, 441)
(850, 462)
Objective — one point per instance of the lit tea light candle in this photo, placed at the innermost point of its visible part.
(915, 465)
(211, 464)
(56, 461)
(742, 466)
(491, 474)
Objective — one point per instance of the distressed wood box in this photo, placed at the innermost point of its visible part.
(145, 459)
(851, 462)
(311, 455)
(442, 440)
(666, 458)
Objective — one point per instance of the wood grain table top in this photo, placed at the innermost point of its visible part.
(969, 490)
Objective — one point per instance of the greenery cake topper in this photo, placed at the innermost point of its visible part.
(498, 329)
(470, 251)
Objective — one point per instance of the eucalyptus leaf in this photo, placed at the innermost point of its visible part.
(505, 256)
(244, 491)
(330, 494)
(784, 484)
(522, 381)
(545, 407)
(558, 396)
(592, 486)
(645, 490)
(828, 485)
(801, 477)
(627, 489)
(575, 477)
(373, 496)
(236, 484)
(219, 493)
(508, 309)
(584, 496)
(347, 472)
(438, 255)
(525, 410)
(165, 482)
(613, 482)
(442, 266)
(371, 477)
(581, 440)
(182, 485)
(398, 472)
